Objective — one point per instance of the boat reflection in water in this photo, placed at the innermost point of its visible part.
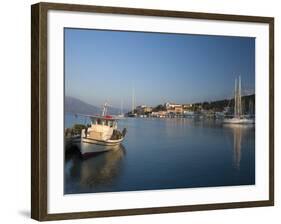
(99, 171)
(239, 132)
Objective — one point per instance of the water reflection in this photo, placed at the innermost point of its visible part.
(239, 131)
(168, 154)
(101, 169)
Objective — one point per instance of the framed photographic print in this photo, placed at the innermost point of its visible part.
(140, 111)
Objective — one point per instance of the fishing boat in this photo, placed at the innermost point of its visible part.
(238, 117)
(102, 135)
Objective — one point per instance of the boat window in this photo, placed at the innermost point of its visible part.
(99, 121)
(110, 124)
(107, 123)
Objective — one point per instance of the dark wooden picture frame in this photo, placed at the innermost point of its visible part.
(39, 105)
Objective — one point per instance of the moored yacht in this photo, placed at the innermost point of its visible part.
(238, 118)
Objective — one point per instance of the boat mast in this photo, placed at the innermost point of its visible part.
(235, 98)
(104, 110)
(121, 109)
(251, 107)
(239, 98)
(133, 100)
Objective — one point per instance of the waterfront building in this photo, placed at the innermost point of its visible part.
(172, 105)
(187, 106)
(159, 114)
(143, 109)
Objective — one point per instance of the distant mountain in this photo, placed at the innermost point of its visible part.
(74, 105)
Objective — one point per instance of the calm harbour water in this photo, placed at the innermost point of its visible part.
(167, 153)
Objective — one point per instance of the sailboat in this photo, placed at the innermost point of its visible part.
(132, 113)
(121, 115)
(238, 118)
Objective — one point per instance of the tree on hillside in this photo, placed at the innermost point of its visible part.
(159, 108)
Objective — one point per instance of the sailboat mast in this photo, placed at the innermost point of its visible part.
(133, 100)
(239, 98)
(235, 98)
(251, 106)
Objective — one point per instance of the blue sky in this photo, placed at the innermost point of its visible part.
(106, 65)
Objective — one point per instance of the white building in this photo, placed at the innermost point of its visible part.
(172, 105)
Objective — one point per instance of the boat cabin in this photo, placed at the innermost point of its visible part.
(104, 121)
(102, 128)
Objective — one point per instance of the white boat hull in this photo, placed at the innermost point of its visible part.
(90, 146)
(239, 121)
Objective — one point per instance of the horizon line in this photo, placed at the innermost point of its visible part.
(197, 102)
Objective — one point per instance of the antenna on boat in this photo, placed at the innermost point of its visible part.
(104, 109)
